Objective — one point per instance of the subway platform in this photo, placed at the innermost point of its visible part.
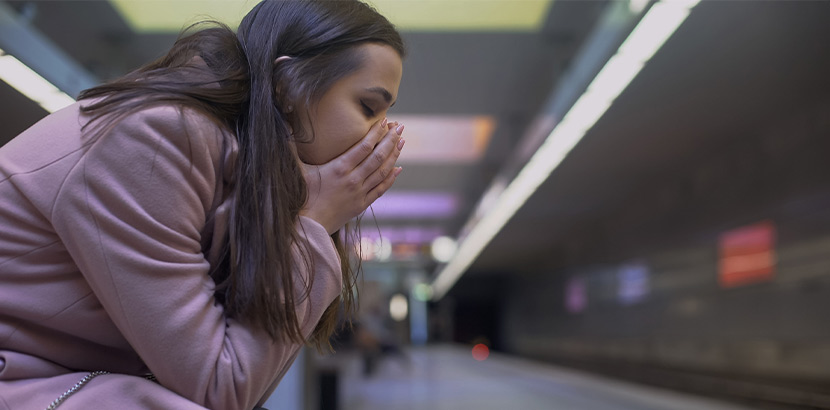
(447, 377)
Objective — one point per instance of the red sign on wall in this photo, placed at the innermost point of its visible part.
(747, 255)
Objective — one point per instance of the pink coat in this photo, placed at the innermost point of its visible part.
(105, 248)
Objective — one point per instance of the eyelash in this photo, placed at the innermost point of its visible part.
(368, 110)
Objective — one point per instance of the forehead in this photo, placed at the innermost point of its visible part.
(380, 66)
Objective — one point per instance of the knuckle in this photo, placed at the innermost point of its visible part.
(377, 160)
(366, 148)
(339, 172)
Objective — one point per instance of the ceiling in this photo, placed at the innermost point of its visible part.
(730, 71)
(729, 68)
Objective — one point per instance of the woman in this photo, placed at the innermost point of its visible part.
(171, 240)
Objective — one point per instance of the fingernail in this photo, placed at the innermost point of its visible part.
(399, 129)
(383, 124)
(398, 171)
(400, 144)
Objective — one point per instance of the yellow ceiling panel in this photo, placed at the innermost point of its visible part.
(173, 15)
(407, 15)
(464, 15)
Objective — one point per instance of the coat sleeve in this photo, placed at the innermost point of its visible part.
(130, 214)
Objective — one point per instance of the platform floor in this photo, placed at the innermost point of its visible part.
(448, 378)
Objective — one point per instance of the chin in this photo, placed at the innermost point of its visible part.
(314, 160)
(309, 157)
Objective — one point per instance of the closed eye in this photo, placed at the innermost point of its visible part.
(369, 112)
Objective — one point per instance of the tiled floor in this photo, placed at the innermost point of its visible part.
(448, 378)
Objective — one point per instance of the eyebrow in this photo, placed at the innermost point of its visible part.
(387, 96)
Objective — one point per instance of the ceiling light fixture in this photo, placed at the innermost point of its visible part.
(661, 20)
(415, 205)
(445, 139)
(31, 84)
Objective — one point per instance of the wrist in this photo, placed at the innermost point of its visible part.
(327, 225)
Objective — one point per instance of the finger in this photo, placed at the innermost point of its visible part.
(381, 173)
(381, 188)
(381, 152)
(363, 148)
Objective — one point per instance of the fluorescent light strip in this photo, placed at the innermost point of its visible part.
(647, 37)
(31, 84)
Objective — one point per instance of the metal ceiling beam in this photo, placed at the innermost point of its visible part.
(23, 41)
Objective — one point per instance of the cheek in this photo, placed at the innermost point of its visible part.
(333, 136)
(353, 135)
(347, 137)
(340, 131)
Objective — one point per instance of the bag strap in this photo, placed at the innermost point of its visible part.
(75, 388)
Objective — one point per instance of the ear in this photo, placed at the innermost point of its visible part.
(279, 60)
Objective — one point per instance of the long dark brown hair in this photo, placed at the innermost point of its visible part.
(235, 80)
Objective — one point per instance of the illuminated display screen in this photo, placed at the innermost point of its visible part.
(576, 298)
(633, 283)
(747, 255)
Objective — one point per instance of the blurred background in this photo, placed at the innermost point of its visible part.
(604, 204)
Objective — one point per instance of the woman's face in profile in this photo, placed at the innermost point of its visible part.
(353, 104)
